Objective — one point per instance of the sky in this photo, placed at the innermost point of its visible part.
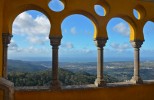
(31, 30)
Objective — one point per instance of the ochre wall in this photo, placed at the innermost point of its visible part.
(1, 26)
(113, 8)
(144, 92)
(1, 94)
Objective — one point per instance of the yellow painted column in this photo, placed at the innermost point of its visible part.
(1, 26)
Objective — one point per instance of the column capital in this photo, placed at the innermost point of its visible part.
(6, 38)
(55, 41)
(136, 43)
(100, 42)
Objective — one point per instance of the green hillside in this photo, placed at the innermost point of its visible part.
(24, 66)
(29, 74)
(43, 78)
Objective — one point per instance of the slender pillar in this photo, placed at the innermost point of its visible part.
(136, 78)
(6, 40)
(100, 43)
(55, 42)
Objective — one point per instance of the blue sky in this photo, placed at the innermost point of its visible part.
(31, 30)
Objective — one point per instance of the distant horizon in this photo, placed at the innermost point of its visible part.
(82, 59)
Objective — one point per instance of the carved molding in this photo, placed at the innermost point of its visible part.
(100, 42)
(55, 41)
(136, 44)
(6, 38)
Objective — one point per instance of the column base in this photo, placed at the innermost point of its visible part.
(55, 85)
(100, 82)
(136, 80)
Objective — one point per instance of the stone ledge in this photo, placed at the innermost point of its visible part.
(148, 0)
(82, 87)
(8, 88)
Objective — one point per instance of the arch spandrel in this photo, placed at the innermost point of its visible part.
(139, 32)
(55, 30)
(101, 29)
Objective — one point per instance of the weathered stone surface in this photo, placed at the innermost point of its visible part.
(8, 89)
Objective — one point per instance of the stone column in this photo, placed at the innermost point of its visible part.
(136, 78)
(100, 43)
(55, 42)
(6, 40)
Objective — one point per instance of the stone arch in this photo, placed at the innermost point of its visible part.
(8, 37)
(131, 23)
(145, 24)
(152, 19)
(76, 29)
(87, 15)
(147, 51)
(118, 47)
(23, 8)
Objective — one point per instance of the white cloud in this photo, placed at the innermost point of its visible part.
(73, 30)
(77, 52)
(34, 29)
(67, 45)
(122, 29)
(16, 51)
(120, 47)
(37, 40)
(86, 51)
(13, 47)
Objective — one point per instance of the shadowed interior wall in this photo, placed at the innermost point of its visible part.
(144, 92)
(1, 94)
(1, 26)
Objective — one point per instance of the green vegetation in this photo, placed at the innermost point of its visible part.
(26, 73)
(43, 78)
